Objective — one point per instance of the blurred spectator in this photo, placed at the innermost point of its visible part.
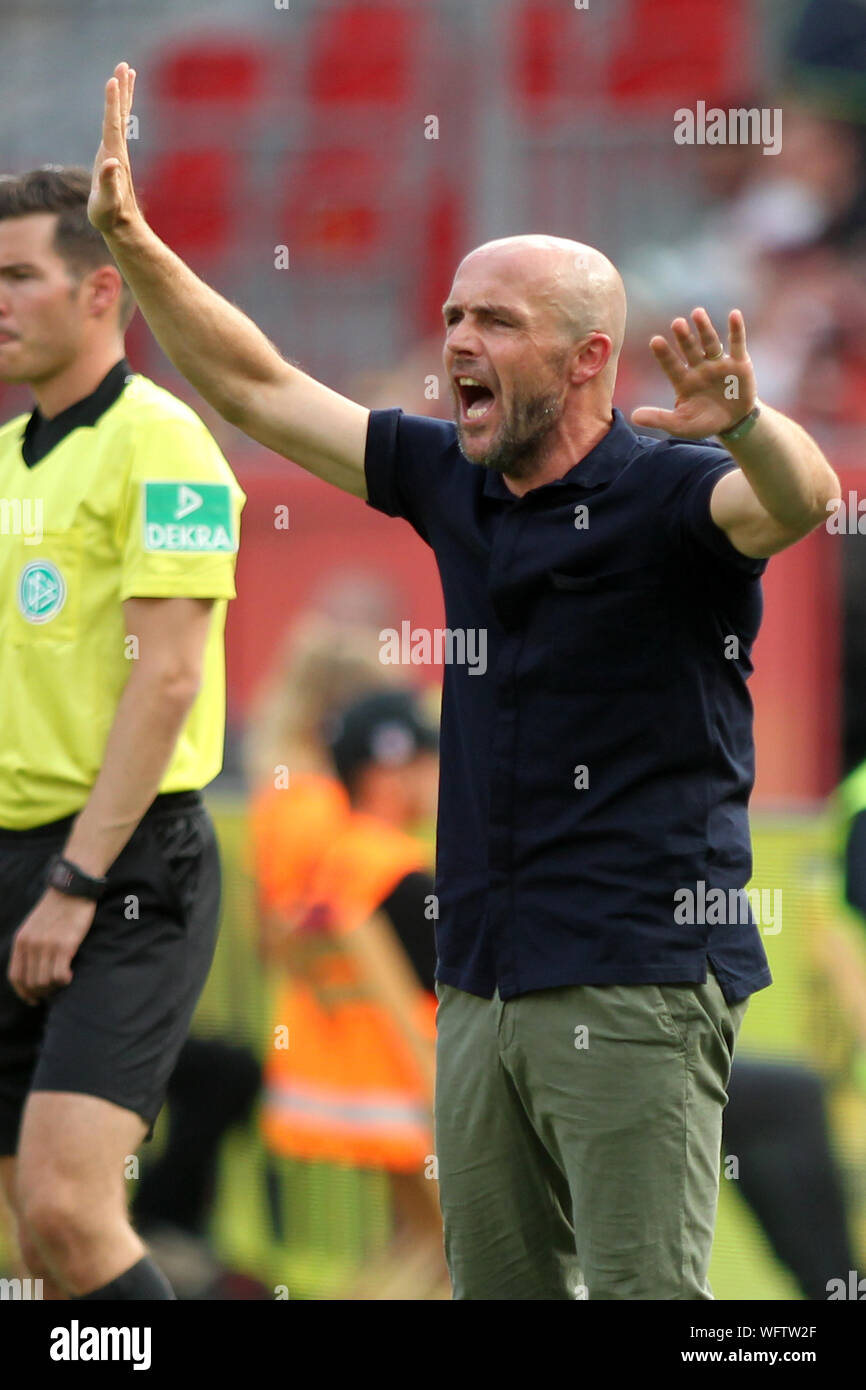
(346, 909)
(326, 658)
(781, 238)
(775, 1125)
(213, 1087)
(776, 1121)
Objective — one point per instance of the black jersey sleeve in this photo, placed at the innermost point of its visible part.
(406, 907)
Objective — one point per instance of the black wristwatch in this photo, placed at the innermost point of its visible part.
(67, 878)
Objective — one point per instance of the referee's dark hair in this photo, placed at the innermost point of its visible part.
(64, 190)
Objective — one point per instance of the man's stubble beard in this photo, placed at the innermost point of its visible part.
(517, 448)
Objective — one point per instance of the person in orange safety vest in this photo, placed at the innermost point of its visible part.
(349, 906)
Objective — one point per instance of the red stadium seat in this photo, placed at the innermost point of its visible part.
(661, 51)
(537, 38)
(189, 197)
(336, 209)
(228, 71)
(443, 230)
(551, 62)
(679, 50)
(364, 54)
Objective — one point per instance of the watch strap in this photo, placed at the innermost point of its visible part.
(68, 878)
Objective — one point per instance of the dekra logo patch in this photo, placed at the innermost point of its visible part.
(188, 517)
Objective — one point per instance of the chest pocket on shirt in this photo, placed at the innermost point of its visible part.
(46, 602)
(611, 632)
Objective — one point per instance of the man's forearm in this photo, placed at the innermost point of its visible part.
(210, 341)
(215, 346)
(150, 715)
(786, 470)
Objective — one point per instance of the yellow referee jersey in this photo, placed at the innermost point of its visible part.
(138, 503)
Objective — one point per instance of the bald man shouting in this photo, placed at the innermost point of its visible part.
(595, 775)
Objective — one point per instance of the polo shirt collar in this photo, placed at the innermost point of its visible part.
(41, 436)
(601, 464)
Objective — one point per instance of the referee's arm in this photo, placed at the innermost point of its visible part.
(163, 683)
(215, 346)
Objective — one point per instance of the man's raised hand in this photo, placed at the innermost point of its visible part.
(112, 198)
(714, 389)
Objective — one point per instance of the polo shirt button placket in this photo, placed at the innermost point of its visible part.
(504, 751)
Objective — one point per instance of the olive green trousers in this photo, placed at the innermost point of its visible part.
(578, 1139)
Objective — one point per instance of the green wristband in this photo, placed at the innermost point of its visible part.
(742, 427)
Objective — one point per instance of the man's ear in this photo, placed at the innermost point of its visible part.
(591, 355)
(103, 288)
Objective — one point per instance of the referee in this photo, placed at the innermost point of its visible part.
(119, 534)
(595, 779)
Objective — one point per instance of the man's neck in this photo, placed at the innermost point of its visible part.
(572, 443)
(75, 382)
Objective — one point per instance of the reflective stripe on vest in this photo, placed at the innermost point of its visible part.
(301, 1103)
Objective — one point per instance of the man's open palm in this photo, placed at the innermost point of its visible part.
(714, 389)
(112, 198)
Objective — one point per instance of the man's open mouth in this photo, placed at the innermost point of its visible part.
(476, 399)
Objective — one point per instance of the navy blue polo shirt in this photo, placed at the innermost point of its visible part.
(601, 765)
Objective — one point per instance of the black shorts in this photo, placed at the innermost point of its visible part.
(116, 1030)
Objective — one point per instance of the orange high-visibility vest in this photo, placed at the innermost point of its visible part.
(347, 1087)
(289, 830)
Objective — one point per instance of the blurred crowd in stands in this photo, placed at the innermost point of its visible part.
(780, 236)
